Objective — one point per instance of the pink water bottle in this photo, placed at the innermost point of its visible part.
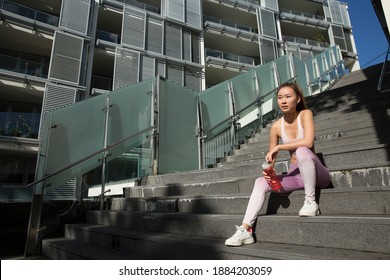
(274, 183)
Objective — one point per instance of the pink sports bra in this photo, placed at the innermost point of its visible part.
(283, 135)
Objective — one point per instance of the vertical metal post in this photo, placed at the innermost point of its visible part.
(155, 101)
(32, 246)
(105, 144)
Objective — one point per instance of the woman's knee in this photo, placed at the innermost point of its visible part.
(303, 153)
(261, 184)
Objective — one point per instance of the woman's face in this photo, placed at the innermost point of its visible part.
(287, 100)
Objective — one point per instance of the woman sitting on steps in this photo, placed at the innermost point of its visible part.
(296, 130)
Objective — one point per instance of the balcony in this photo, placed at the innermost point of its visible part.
(304, 43)
(228, 28)
(18, 64)
(107, 36)
(235, 61)
(24, 11)
(140, 5)
(19, 120)
(101, 83)
(305, 18)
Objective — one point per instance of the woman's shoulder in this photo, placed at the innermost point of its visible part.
(306, 112)
(276, 124)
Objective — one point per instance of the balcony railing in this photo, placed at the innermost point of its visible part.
(100, 82)
(230, 23)
(23, 66)
(298, 13)
(28, 12)
(305, 41)
(140, 5)
(107, 36)
(232, 57)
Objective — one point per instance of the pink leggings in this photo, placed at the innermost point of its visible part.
(308, 173)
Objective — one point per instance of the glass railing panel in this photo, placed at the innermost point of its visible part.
(100, 82)
(178, 121)
(321, 65)
(266, 78)
(131, 158)
(140, 5)
(29, 13)
(215, 107)
(244, 90)
(107, 36)
(283, 65)
(23, 66)
(8, 63)
(130, 110)
(71, 136)
(300, 71)
(310, 66)
(249, 121)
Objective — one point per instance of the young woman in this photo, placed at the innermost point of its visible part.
(296, 130)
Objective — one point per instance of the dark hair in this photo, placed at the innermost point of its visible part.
(298, 91)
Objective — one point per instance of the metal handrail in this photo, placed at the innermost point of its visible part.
(379, 87)
(256, 101)
(60, 170)
(37, 199)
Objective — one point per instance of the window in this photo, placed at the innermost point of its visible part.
(19, 120)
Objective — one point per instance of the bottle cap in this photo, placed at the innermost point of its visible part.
(265, 165)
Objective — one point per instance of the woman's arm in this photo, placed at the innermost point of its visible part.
(273, 142)
(306, 141)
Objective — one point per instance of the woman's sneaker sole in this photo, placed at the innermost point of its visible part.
(243, 242)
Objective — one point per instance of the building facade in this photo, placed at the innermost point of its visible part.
(54, 53)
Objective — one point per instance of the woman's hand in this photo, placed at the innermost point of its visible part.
(271, 156)
(266, 177)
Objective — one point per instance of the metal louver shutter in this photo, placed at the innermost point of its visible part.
(175, 9)
(175, 73)
(126, 68)
(338, 35)
(75, 15)
(270, 4)
(65, 192)
(267, 50)
(154, 36)
(193, 13)
(173, 41)
(147, 67)
(335, 12)
(66, 58)
(56, 96)
(133, 32)
(267, 23)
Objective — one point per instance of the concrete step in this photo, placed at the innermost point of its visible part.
(334, 125)
(357, 154)
(346, 201)
(75, 249)
(359, 132)
(343, 176)
(163, 245)
(362, 233)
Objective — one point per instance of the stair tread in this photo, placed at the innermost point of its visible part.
(84, 250)
(215, 247)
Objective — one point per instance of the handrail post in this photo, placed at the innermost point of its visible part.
(105, 145)
(31, 247)
(379, 87)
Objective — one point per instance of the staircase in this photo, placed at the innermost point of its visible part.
(189, 215)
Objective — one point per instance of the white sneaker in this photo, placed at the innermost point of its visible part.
(309, 209)
(241, 237)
